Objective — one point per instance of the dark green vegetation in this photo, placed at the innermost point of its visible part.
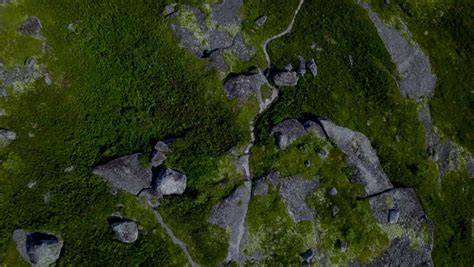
(121, 82)
(354, 223)
(363, 96)
(445, 31)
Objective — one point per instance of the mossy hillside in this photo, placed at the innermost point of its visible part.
(273, 234)
(354, 223)
(290, 161)
(363, 96)
(124, 83)
(444, 31)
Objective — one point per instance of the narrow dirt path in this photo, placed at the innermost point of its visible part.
(175, 240)
(237, 235)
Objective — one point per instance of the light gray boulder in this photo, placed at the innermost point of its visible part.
(38, 249)
(293, 190)
(360, 155)
(287, 132)
(171, 182)
(260, 21)
(286, 78)
(126, 174)
(7, 135)
(312, 67)
(126, 231)
(242, 87)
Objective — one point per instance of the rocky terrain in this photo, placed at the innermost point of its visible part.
(186, 137)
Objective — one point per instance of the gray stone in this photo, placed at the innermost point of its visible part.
(314, 128)
(219, 39)
(260, 21)
(32, 26)
(169, 9)
(242, 87)
(311, 66)
(31, 184)
(286, 78)
(228, 211)
(227, 13)
(7, 135)
(322, 153)
(72, 27)
(47, 198)
(241, 50)
(157, 159)
(288, 67)
(161, 147)
(332, 192)
(171, 182)
(470, 165)
(432, 139)
(446, 157)
(293, 190)
(38, 249)
(341, 245)
(417, 79)
(199, 15)
(287, 132)
(126, 174)
(217, 61)
(260, 188)
(308, 255)
(361, 156)
(188, 41)
(393, 215)
(126, 231)
(301, 66)
(307, 163)
(69, 169)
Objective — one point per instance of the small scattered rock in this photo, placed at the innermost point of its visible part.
(161, 147)
(38, 249)
(31, 184)
(7, 135)
(260, 21)
(72, 27)
(332, 192)
(32, 26)
(301, 66)
(308, 255)
(341, 245)
(171, 182)
(286, 78)
(307, 163)
(288, 67)
(47, 198)
(393, 215)
(126, 231)
(311, 65)
(287, 132)
(157, 159)
(322, 153)
(169, 9)
(69, 169)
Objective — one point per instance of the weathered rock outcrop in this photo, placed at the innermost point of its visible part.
(241, 50)
(242, 87)
(287, 132)
(361, 155)
(417, 79)
(126, 173)
(125, 230)
(38, 249)
(286, 78)
(26, 73)
(170, 182)
(410, 231)
(227, 13)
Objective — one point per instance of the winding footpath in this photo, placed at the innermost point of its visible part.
(237, 235)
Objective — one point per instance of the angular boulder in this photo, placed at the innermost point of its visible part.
(242, 87)
(260, 21)
(32, 26)
(287, 132)
(171, 182)
(361, 155)
(126, 174)
(286, 78)
(125, 230)
(38, 249)
(311, 66)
